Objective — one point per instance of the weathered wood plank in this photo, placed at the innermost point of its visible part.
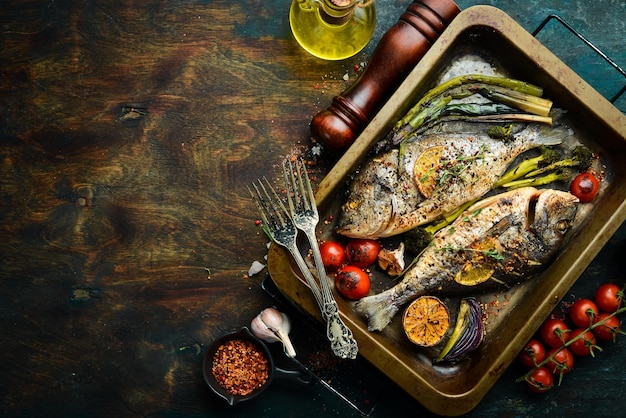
(128, 132)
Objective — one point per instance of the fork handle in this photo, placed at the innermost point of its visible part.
(340, 336)
(327, 293)
(309, 279)
(342, 341)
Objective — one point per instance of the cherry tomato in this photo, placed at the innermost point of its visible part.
(583, 346)
(533, 353)
(609, 297)
(554, 332)
(609, 329)
(362, 252)
(352, 282)
(540, 381)
(333, 255)
(562, 362)
(583, 313)
(585, 187)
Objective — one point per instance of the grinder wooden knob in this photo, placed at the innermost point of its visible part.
(399, 50)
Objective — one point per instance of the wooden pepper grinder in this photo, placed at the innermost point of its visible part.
(399, 50)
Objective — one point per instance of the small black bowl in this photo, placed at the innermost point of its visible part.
(244, 334)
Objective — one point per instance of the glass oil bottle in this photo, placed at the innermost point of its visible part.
(332, 29)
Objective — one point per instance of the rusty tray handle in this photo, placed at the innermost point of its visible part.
(590, 44)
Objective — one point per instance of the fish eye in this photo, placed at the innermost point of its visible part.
(562, 226)
(353, 204)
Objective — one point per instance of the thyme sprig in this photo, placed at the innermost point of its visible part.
(456, 168)
(491, 253)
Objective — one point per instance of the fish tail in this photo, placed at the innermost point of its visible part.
(379, 310)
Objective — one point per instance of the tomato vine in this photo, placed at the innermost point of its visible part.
(555, 357)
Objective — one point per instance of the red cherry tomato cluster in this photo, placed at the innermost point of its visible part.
(551, 353)
(348, 262)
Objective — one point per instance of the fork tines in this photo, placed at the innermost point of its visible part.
(299, 185)
(271, 208)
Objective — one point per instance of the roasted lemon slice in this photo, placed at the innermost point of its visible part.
(426, 170)
(481, 266)
(426, 321)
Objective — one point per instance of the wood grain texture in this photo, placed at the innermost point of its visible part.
(128, 133)
(130, 130)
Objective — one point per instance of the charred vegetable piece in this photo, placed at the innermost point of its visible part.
(417, 239)
(468, 332)
(562, 174)
(426, 321)
(547, 156)
(509, 100)
(546, 168)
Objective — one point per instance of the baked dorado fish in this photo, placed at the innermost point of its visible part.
(502, 239)
(435, 175)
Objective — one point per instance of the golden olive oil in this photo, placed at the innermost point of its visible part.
(329, 31)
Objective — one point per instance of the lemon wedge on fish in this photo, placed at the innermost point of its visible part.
(426, 170)
(481, 266)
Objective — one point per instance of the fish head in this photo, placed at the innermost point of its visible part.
(369, 206)
(551, 215)
(365, 216)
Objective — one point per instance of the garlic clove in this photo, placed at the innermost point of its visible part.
(283, 333)
(255, 268)
(271, 325)
(392, 260)
(259, 329)
(273, 319)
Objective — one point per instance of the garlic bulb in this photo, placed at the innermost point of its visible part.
(271, 325)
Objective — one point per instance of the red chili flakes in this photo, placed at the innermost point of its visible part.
(240, 367)
(323, 362)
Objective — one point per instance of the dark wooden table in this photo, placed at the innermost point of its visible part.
(129, 131)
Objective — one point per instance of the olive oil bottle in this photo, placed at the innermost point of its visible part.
(332, 29)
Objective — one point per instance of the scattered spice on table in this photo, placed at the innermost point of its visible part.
(324, 364)
(240, 367)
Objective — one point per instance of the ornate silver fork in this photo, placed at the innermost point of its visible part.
(305, 217)
(283, 232)
(281, 229)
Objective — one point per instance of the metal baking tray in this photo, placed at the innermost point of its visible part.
(513, 315)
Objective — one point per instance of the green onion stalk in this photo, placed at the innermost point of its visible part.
(511, 100)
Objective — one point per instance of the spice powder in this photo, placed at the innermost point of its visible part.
(240, 367)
